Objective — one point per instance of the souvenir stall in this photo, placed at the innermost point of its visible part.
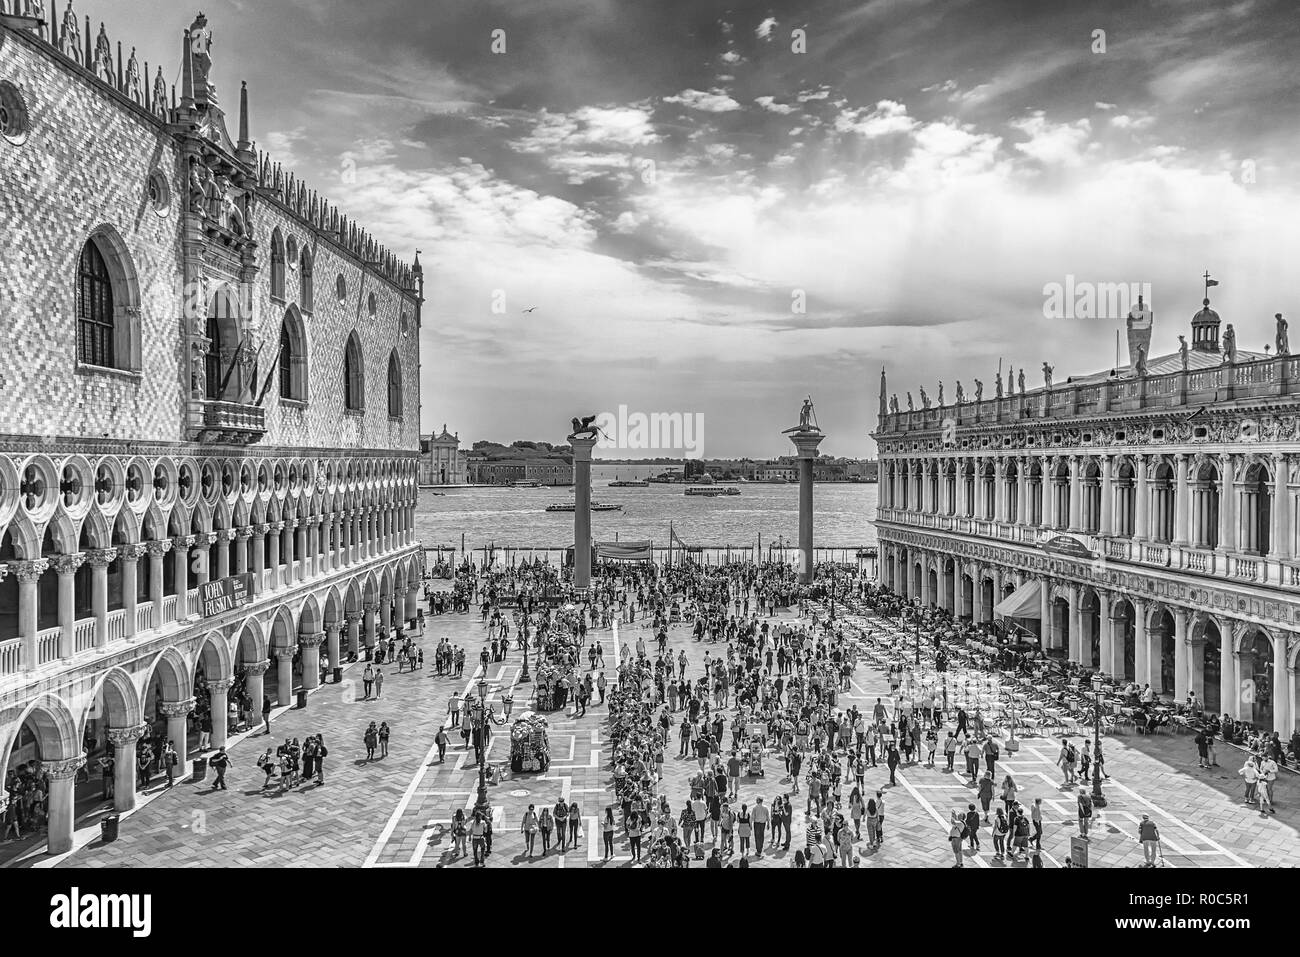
(530, 746)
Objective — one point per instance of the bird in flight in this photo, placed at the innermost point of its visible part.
(530, 309)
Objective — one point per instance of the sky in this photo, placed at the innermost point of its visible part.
(719, 208)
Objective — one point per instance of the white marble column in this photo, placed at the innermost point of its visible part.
(62, 802)
(1182, 660)
(1142, 500)
(99, 559)
(1181, 502)
(1282, 691)
(178, 725)
(130, 584)
(65, 566)
(181, 572)
(284, 676)
(1076, 624)
(1076, 495)
(310, 645)
(1107, 518)
(124, 741)
(28, 574)
(1280, 546)
(219, 702)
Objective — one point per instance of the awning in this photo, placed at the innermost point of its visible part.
(624, 551)
(1024, 602)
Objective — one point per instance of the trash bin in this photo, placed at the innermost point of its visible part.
(302, 698)
(338, 675)
(369, 650)
(108, 828)
(200, 769)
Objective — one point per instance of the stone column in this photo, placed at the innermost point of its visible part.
(1227, 507)
(1045, 492)
(805, 443)
(1181, 502)
(1228, 671)
(1047, 637)
(1076, 624)
(332, 629)
(275, 529)
(1182, 669)
(1076, 495)
(1107, 628)
(1141, 500)
(99, 559)
(65, 566)
(156, 552)
(1106, 523)
(386, 616)
(336, 553)
(413, 603)
(242, 537)
(123, 741)
(310, 645)
(1282, 691)
(370, 623)
(254, 685)
(288, 535)
(311, 560)
(219, 697)
(1023, 511)
(1279, 547)
(354, 632)
(284, 676)
(28, 574)
(1142, 665)
(62, 802)
(181, 558)
(224, 537)
(130, 569)
(178, 726)
(582, 447)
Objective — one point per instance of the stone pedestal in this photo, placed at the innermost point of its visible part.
(805, 443)
(582, 510)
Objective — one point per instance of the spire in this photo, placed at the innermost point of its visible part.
(187, 75)
(243, 143)
(883, 401)
(418, 270)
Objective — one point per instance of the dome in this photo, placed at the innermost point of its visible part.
(1206, 314)
(706, 479)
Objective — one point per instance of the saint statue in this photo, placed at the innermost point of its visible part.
(941, 395)
(925, 399)
(1283, 347)
(1021, 381)
(201, 57)
(1047, 375)
(997, 385)
(1229, 345)
(910, 407)
(961, 394)
(806, 414)
(1182, 352)
(1140, 366)
(979, 391)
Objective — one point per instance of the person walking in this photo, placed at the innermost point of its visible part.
(529, 828)
(956, 834)
(368, 680)
(1249, 773)
(950, 749)
(169, 761)
(973, 827)
(575, 819)
(379, 683)
(220, 762)
(1149, 836)
(546, 824)
(891, 758)
(1085, 812)
(441, 740)
(1264, 787)
(266, 713)
(267, 763)
(985, 793)
(478, 839)
(761, 815)
(371, 741)
(1036, 818)
(321, 753)
(607, 833)
(384, 733)
(744, 829)
(1000, 830)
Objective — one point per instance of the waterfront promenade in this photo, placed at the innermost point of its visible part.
(393, 812)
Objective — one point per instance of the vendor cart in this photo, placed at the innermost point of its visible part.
(530, 746)
(755, 758)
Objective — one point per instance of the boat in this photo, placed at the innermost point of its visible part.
(595, 507)
(629, 483)
(526, 483)
(711, 491)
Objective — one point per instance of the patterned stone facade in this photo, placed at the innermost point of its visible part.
(219, 429)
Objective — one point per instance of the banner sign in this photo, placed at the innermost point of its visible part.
(225, 593)
(1065, 545)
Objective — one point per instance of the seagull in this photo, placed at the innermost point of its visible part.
(530, 309)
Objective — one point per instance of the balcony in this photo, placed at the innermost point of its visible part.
(231, 423)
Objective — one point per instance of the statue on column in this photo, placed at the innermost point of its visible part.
(201, 56)
(1283, 346)
(1140, 366)
(940, 395)
(806, 415)
(1182, 351)
(585, 427)
(910, 407)
(1021, 381)
(1047, 375)
(961, 394)
(979, 391)
(997, 385)
(1229, 345)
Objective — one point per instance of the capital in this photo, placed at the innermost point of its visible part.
(29, 572)
(131, 552)
(125, 737)
(244, 533)
(275, 526)
(261, 529)
(221, 685)
(182, 541)
(290, 523)
(257, 667)
(371, 607)
(285, 654)
(312, 640)
(159, 548)
(333, 627)
(174, 709)
(62, 770)
(204, 539)
(101, 557)
(353, 617)
(68, 564)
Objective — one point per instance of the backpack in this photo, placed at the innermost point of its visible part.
(1085, 806)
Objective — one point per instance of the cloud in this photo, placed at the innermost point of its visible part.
(1122, 121)
(764, 30)
(1053, 143)
(769, 103)
(884, 118)
(714, 101)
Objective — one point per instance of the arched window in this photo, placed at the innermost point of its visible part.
(394, 385)
(354, 391)
(95, 329)
(304, 282)
(277, 265)
(212, 361)
(293, 357)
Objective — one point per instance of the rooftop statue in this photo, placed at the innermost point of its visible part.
(1021, 382)
(1182, 351)
(1047, 375)
(1229, 344)
(1283, 346)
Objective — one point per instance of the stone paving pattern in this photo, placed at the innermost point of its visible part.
(392, 811)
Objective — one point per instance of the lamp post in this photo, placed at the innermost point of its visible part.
(481, 805)
(1098, 799)
(524, 675)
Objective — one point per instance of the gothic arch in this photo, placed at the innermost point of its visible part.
(121, 700)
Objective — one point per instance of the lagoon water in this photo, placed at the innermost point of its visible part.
(517, 516)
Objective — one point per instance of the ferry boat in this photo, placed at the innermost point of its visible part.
(629, 483)
(595, 507)
(711, 491)
(525, 483)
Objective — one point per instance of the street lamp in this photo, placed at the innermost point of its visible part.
(1098, 799)
(481, 805)
(524, 675)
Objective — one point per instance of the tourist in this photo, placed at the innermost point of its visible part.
(985, 793)
(1036, 817)
(441, 740)
(1000, 830)
(383, 739)
(607, 833)
(1149, 836)
(1085, 812)
(371, 741)
(379, 683)
(529, 828)
(266, 712)
(268, 764)
(1267, 775)
(169, 761)
(321, 753)
(1249, 773)
(957, 834)
(972, 827)
(478, 839)
(368, 680)
(546, 824)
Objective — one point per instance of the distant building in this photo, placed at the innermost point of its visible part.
(442, 461)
